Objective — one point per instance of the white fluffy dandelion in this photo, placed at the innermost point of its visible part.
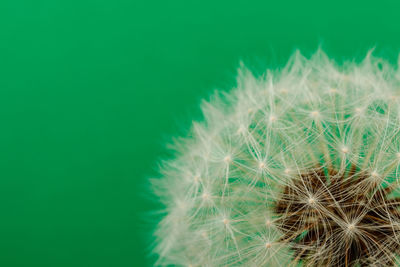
(298, 167)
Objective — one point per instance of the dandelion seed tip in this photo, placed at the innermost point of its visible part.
(351, 227)
(268, 222)
(261, 165)
(287, 171)
(375, 174)
(311, 201)
(181, 205)
(225, 221)
(358, 110)
(227, 159)
(398, 155)
(315, 114)
(268, 245)
(333, 90)
(272, 118)
(241, 129)
(284, 91)
(205, 196)
(345, 150)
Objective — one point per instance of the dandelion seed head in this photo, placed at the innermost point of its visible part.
(297, 167)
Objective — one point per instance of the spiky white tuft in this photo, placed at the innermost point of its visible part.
(298, 167)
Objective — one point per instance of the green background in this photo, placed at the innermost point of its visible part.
(91, 90)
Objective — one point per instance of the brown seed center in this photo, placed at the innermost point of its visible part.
(344, 219)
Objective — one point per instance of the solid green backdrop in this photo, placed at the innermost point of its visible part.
(91, 90)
